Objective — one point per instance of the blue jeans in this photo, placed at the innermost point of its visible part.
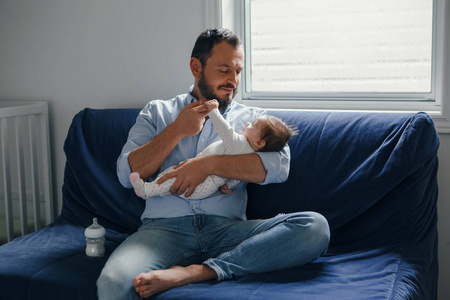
(229, 247)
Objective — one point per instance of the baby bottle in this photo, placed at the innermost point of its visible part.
(95, 240)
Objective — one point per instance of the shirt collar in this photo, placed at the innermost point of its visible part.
(189, 98)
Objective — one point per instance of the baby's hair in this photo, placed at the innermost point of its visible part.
(276, 133)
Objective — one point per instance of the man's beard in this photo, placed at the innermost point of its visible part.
(208, 92)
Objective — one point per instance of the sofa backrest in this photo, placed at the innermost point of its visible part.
(372, 175)
(91, 188)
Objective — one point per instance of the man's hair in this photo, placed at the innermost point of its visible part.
(276, 133)
(208, 38)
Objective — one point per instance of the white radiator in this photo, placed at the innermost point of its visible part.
(26, 202)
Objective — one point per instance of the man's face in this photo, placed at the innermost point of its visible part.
(221, 74)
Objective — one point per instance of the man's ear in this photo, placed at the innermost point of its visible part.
(260, 144)
(196, 67)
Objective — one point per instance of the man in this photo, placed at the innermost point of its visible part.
(183, 241)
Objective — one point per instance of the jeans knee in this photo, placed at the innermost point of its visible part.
(316, 227)
(322, 230)
(114, 284)
(105, 281)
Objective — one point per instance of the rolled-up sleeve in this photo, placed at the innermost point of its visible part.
(124, 170)
(276, 164)
(141, 133)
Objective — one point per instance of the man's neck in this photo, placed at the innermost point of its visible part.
(197, 95)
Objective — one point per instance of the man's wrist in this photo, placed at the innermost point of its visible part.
(173, 131)
(210, 164)
(245, 167)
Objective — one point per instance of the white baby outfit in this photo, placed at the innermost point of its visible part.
(231, 143)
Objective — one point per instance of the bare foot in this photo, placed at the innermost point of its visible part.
(158, 281)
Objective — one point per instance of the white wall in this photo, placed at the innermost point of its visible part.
(94, 53)
(117, 53)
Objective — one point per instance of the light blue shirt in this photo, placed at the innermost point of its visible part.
(154, 117)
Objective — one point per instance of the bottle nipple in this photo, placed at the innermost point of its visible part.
(95, 230)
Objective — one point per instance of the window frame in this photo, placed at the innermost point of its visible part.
(230, 14)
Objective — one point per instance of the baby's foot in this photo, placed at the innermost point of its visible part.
(138, 184)
(134, 176)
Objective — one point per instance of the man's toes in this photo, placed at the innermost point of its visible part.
(139, 280)
(145, 294)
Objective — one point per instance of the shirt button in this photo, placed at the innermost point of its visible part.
(203, 140)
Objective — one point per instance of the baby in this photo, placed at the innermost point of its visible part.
(265, 134)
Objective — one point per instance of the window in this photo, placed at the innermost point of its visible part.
(329, 46)
(344, 54)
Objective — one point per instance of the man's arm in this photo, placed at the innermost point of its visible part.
(263, 168)
(146, 157)
(245, 167)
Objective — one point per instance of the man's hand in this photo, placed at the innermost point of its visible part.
(189, 174)
(190, 120)
(148, 158)
(211, 104)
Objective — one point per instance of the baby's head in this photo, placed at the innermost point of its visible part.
(268, 133)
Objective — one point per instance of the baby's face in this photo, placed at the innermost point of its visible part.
(253, 130)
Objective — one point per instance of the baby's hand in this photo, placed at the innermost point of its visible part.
(211, 104)
(225, 189)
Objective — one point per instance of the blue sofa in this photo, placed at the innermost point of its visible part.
(372, 175)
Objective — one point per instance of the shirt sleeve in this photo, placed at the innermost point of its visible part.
(141, 133)
(276, 164)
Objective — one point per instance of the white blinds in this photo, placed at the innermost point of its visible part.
(360, 46)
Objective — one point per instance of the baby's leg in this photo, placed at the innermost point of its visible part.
(207, 188)
(138, 184)
(150, 189)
